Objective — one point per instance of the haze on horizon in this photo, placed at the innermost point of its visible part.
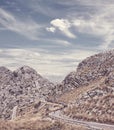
(53, 36)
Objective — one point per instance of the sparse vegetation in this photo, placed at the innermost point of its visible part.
(38, 125)
(87, 94)
(97, 108)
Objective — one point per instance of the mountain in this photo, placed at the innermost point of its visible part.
(90, 69)
(86, 94)
(89, 92)
(21, 88)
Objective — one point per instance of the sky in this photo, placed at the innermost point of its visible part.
(53, 36)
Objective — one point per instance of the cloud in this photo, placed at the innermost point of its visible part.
(75, 19)
(51, 29)
(92, 18)
(48, 64)
(96, 3)
(95, 19)
(62, 42)
(59, 42)
(99, 25)
(63, 25)
(29, 29)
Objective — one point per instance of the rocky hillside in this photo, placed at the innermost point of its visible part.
(88, 92)
(96, 104)
(90, 69)
(94, 75)
(37, 117)
(21, 88)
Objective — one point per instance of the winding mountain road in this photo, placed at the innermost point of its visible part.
(91, 125)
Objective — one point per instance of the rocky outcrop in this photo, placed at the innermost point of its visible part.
(5, 75)
(96, 103)
(21, 88)
(89, 70)
(25, 86)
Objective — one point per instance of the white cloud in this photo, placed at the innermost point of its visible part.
(100, 25)
(97, 20)
(47, 64)
(100, 3)
(63, 25)
(63, 42)
(59, 42)
(28, 29)
(92, 26)
(51, 29)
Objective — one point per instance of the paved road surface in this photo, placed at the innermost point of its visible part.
(91, 125)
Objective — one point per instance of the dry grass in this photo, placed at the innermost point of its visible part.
(99, 110)
(39, 125)
(28, 125)
(5, 125)
(37, 119)
(72, 95)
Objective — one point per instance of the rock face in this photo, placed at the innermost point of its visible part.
(96, 103)
(90, 69)
(21, 88)
(96, 73)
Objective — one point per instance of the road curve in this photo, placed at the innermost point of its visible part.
(92, 125)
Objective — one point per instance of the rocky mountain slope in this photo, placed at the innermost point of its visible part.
(21, 88)
(90, 69)
(94, 75)
(87, 92)
(36, 117)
